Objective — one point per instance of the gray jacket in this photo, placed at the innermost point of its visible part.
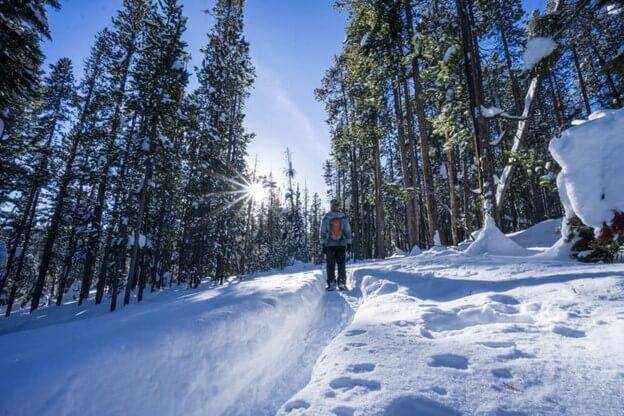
(326, 237)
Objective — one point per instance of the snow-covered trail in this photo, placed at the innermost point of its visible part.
(239, 350)
(448, 334)
(441, 333)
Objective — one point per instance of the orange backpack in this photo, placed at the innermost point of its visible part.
(335, 229)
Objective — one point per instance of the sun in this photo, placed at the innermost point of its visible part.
(256, 191)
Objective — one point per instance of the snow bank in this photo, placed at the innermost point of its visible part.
(537, 49)
(242, 349)
(591, 181)
(543, 234)
(491, 240)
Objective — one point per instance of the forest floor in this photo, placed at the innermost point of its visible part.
(440, 333)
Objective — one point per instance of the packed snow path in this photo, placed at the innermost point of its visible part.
(441, 333)
(447, 334)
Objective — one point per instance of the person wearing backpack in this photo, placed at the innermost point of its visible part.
(336, 240)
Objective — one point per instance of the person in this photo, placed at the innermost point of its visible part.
(336, 240)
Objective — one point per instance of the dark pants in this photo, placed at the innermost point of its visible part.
(336, 255)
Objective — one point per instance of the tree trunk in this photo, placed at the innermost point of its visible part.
(483, 154)
(20, 263)
(581, 79)
(515, 87)
(96, 220)
(419, 106)
(380, 249)
(55, 223)
(138, 229)
(412, 217)
(603, 68)
(454, 201)
(556, 100)
(158, 248)
(33, 198)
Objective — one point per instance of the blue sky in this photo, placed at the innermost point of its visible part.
(292, 44)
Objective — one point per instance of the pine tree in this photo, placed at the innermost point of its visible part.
(224, 79)
(22, 24)
(159, 80)
(128, 27)
(60, 98)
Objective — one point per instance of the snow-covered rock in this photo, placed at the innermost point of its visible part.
(491, 240)
(591, 181)
(537, 49)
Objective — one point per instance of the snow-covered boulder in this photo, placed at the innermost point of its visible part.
(491, 240)
(591, 182)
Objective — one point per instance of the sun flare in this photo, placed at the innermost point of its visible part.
(256, 191)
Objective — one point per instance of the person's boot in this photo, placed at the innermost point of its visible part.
(329, 287)
(342, 287)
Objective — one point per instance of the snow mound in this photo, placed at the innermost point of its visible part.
(537, 49)
(415, 251)
(397, 253)
(543, 234)
(491, 240)
(592, 168)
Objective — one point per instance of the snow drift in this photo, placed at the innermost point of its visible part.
(591, 182)
(242, 349)
(542, 234)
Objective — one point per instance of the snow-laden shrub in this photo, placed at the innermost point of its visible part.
(591, 184)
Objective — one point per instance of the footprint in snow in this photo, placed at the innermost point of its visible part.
(498, 344)
(354, 332)
(269, 301)
(343, 411)
(458, 362)
(356, 344)
(501, 373)
(505, 412)
(361, 368)
(348, 383)
(514, 355)
(506, 299)
(568, 332)
(417, 405)
(403, 323)
(439, 390)
(296, 404)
